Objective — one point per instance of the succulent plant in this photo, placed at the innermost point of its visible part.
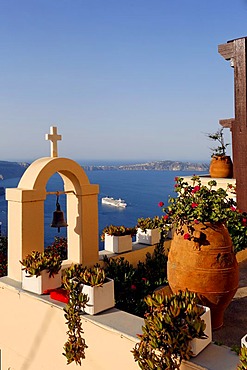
(243, 358)
(169, 326)
(93, 276)
(74, 276)
(35, 262)
(75, 346)
(118, 231)
(149, 223)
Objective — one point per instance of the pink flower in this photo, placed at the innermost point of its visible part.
(194, 205)
(196, 222)
(233, 208)
(176, 185)
(244, 222)
(176, 178)
(133, 287)
(165, 217)
(195, 189)
(161, 204)
(144, 279)
(186, 236)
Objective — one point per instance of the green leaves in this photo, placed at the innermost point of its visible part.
(170, 324)
(74, 348)
(149, 223)
(198, 203)
(218, 137)
(35, 262)
(243, 359)
(118, 231)
(93, 276)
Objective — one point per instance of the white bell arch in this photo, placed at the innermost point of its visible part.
(26, 213)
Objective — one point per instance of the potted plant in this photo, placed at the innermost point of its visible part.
(221, 164)
(75, 346)
(243, 358)
(148, 231)
(93, 283)
(170, 326)
(118, 239)
(201, 257)
(41, 271)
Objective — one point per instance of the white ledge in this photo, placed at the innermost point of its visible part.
(126, 326)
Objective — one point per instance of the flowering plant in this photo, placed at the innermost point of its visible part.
(199, 203)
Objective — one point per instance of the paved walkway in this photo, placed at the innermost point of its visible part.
(235, 318)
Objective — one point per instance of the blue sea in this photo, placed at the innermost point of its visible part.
(141, 190)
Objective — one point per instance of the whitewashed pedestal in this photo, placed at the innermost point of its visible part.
(244, 341)
(101, 298)
(197, 344)
(118, 244)
(42, 283)
(150, 236)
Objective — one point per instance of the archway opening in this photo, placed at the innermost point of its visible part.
(54, 184)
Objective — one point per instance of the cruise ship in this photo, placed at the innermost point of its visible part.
(114, 202)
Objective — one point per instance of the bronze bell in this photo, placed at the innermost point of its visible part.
(58, 217)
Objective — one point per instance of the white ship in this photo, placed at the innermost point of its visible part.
(114, 202)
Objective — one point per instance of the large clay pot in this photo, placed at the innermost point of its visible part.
(221, 166)
(205, 264)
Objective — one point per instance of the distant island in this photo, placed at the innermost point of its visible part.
(16, 169)
(155, 165)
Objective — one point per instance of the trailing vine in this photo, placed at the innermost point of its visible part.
(74, 348)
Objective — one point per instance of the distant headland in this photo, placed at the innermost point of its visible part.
(10, 170)
(154, 165)
(16, 169)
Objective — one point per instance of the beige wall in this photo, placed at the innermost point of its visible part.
(33, 333)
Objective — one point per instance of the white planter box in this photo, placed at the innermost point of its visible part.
(197, 345)
(101, 298)
(118, 244)
(244, 341)
(151, 236)
(42, 283)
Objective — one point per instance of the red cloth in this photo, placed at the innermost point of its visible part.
(60, 295)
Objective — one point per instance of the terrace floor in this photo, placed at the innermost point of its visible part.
(235, 318)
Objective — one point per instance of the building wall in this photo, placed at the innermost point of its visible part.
(33, 333)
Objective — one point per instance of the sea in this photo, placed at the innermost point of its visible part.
(141, 190)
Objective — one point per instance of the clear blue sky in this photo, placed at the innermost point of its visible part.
(121, 79)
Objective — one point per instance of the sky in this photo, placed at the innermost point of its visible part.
(129, 80)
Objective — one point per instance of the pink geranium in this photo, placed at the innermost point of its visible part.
(194, 205)
(186, 236)
(196, 188)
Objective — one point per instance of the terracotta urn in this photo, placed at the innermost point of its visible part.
(206, 264)
(221, 167)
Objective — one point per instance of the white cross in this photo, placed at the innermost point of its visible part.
(53, 137)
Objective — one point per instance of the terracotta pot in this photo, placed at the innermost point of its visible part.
(207, 265)
(221, 166)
